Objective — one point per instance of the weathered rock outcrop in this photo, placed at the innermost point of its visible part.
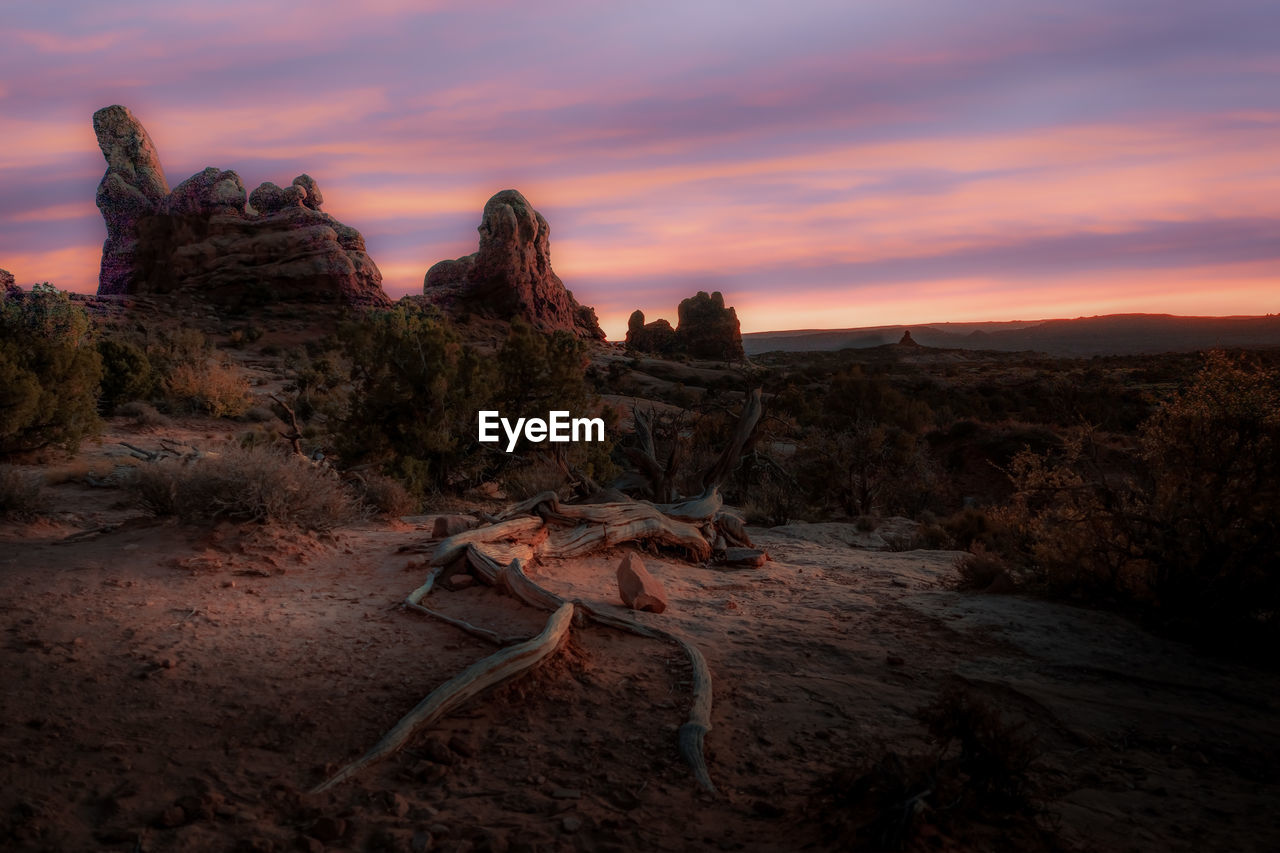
(656, 337)
(707, 329)
(202, 238)
(511, 274)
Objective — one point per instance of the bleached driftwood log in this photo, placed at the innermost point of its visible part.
(475, 679)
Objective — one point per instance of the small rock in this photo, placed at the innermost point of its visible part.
(565, 794)
(571, 823)
(168, 663)
(461, 581)
(639, 589)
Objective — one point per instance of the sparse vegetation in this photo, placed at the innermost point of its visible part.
(49, 373)
(255, 484)
(215, 389)
(978, 773)
(142, 414)
(385, 495)
(416, 389)
(21, 494)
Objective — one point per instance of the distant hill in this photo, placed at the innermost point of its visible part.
(1112, 334)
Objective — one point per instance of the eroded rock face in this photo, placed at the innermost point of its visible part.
(133, 187)
(511, 274)
(202, 238)
(707, 329)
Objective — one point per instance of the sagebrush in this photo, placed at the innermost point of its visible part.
(254, 484)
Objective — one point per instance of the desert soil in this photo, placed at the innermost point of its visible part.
(172, 687)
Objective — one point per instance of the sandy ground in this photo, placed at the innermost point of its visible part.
(171, 687)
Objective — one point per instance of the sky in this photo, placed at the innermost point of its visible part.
(823, 164)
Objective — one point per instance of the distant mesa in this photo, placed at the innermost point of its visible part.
(706, 329)
(206, 238)
(511, 275)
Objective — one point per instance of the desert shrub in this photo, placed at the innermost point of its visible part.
(21, 493)
(979, 568)
(220, 390)
(415, 394)
(416, 389)
(242, 335)
(49, 372)
(258, 415)
(539, 372)
(126, 373)
(1072, 526)
(530, 475)
(979, 773)
(867, 468)
(316, 380)
(142, 414)
(256, 484)
(995, 752)
(1191, 532)
(385, 495)
(1213, 456)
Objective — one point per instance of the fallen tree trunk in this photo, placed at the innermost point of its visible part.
(475, 679)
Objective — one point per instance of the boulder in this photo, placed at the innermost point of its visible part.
(639, 589)
(510, 275)
(201, 238)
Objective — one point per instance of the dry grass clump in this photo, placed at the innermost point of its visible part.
(386, 496)
(253, 484)
(142, 414)
(979, 569)
(216, 389)
(21, 494)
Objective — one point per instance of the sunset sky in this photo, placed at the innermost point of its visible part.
(824, 164)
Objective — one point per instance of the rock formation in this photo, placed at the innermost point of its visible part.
(907, 340)
(202, 238)
(707, 329)
(655, 337)
(511, 274)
